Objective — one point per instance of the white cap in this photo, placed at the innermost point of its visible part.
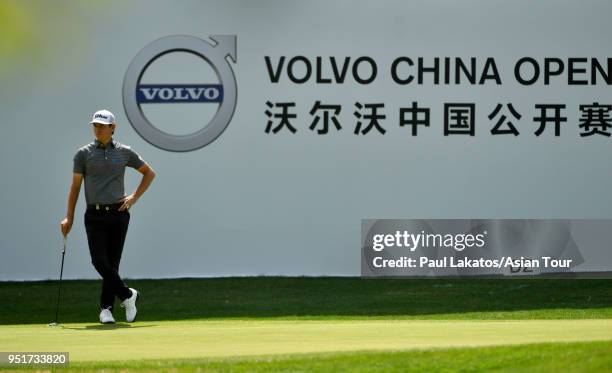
(103, 116)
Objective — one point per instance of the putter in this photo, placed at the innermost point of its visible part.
(59, 290)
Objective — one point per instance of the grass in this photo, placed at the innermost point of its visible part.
(547, 357)
(320, 298)
(227, 338)
(322, 324)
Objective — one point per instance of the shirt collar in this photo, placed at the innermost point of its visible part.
(112, 143)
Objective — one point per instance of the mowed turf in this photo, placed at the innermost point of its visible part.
(319, 298)
(542, 357)
(269, 323)
(225, 338)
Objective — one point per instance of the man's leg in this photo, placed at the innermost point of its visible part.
(117, 239)
(99, 232)
(107, 297)
(117, 233)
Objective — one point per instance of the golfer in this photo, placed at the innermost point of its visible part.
(102, 164)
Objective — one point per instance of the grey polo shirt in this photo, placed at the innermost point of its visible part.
(103, 170)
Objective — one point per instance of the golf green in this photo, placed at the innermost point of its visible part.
(233, 338)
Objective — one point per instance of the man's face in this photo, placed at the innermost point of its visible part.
(102, 131)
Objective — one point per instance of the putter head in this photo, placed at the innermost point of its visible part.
(53, 324)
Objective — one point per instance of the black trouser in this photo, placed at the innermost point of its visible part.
(106, 231)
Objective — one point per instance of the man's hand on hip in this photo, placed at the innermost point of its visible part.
(128, 201)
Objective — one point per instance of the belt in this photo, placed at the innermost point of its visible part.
(104, 207)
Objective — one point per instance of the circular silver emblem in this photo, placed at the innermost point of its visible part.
(225, 93)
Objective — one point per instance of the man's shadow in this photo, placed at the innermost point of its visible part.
(107, 327)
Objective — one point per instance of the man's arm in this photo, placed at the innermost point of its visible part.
(73, 196)
(148, 174)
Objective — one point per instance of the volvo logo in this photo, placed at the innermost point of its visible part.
(224, 93)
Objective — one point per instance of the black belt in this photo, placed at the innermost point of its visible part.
(104, 207)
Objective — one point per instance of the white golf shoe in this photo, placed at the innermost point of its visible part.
(130, 306)
(106, 317)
